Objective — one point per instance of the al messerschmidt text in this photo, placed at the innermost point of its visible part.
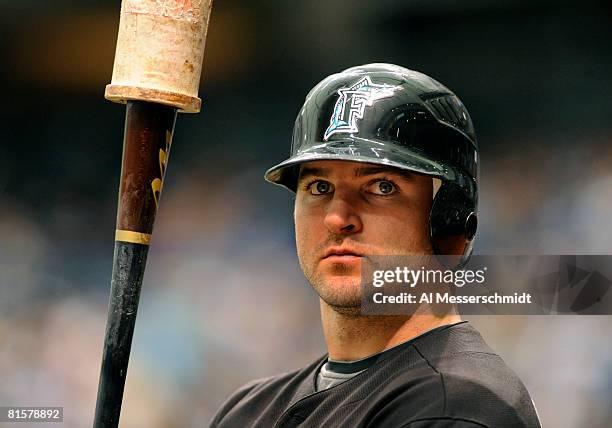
(495, 298)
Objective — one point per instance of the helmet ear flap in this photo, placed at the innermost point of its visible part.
(471, 224)
(452, 221)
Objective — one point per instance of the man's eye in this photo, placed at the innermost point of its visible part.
(383, 187)
(320, 187)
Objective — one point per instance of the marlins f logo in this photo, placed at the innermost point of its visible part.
(352, 103)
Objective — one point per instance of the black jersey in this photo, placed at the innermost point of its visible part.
(448, 378)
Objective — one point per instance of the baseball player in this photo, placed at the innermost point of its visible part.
(384, 161)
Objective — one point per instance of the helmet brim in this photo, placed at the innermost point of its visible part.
(367, 151)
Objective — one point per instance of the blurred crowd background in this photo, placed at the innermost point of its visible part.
(224, 300)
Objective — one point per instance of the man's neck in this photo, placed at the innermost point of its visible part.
(352, 337)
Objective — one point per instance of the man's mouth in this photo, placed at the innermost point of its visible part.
(341, 253)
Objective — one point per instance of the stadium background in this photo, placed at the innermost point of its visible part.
(223, 300)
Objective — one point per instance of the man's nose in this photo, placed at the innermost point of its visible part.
(342, 216)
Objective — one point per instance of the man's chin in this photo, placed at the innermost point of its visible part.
(341, 292)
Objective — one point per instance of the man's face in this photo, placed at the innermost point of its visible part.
(347, 210)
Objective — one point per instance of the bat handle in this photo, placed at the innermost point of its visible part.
(128, 270)
(146, 147)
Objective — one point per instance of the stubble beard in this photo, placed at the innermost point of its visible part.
(340, 286)
(340, 289)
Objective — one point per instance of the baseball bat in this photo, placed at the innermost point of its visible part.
(158, 62)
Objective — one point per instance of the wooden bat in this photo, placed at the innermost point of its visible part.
(158, 63)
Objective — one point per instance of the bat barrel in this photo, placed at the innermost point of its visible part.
(160, 48)
(146, 148)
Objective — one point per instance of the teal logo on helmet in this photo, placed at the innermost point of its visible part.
(352, 103)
